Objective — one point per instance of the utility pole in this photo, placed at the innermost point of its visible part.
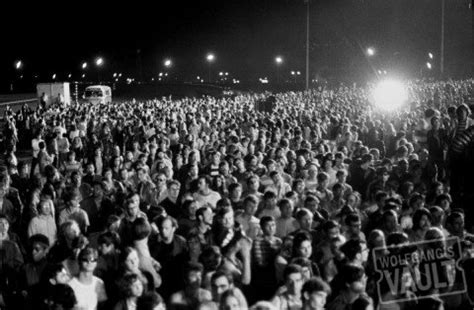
(441, 65)
(307, 44)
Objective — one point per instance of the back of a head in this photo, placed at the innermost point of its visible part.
(62, 297)
(314, 285)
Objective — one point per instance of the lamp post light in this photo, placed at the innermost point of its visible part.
(210, 59)
(371, 51)
(278, 61)
(99, 62)
(18, 65)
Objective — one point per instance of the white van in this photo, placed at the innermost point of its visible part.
(98, 94)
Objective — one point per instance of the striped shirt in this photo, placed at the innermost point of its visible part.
(264, 250)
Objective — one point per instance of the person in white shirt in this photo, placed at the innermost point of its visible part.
(205, 196)
(89, 289)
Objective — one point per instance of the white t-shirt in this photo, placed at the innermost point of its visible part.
(210, 199)
(88, 295)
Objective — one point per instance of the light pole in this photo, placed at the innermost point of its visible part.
(168, 63)
(278, 61)
(441, 64)
(210, 59)
(99, 62)
(18, 65)
(307, 44)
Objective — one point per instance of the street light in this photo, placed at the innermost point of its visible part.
(99, 62)
(293, 73)
(370, 51)
(18, 64)
(54, 76)
(210, 59)
(84, 65)
(279, 61)
(428, 65)
(167, 63)
(430, 55)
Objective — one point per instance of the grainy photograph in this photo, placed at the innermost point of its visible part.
(237, 155)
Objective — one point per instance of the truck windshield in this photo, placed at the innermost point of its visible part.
(93, 93)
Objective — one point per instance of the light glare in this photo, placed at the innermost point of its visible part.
(389, 95)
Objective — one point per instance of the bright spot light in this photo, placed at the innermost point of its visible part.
(84, 65)
(69, 76)
(227, 73)
(221, 73)
(389, 95)
(210, 57)
(161, 74)
(83, 76)
(18, 64)
(430, 55)
(54, 76)
(115, 74)
(167, 63)
(99, 61)
(292, 72)
(278, 59)
(428, 65)
(379, 71)
(371, 51)
(298, 73)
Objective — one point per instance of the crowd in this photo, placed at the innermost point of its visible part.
(207, 203)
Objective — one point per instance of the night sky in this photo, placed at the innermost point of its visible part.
(245, 35)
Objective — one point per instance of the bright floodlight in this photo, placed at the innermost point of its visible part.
(210, 57)
(428, 65)
(167, 63)
(99, 61)
(278, 59)
(18, 64)
(371, 51)
(430, 55)
(84, 65)
(389, 95)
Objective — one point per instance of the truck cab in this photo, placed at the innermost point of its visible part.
(98, 94)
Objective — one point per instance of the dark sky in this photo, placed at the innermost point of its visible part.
(245, 35)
